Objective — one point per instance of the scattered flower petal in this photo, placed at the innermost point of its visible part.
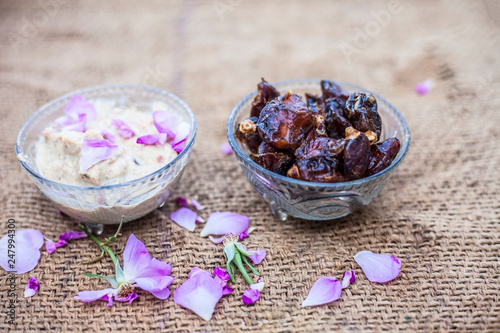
(250, 296)
(32, 287)
(348, 278)
(152, 139)
(226, 149)
(165, 122)
(184, 217)
(50, 246)
(71, 235)
(139, 271)
(196, 205)
(108, 136)
(424, 87)
(222, 223)
(199, 220)
(217, 240)
(181, 134)
(379, 268)
(221, 273)
(123, 128)
(181, 201)
(325, 290)
(27, 250)
(259, 286)
(243, 235)
(77, 106)
(200, 293)
(63, 214)
(95, 151)
(257, 256)
(226, 290)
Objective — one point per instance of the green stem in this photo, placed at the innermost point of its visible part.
(251, 268)
(239, 264)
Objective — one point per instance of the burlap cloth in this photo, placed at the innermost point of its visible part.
(439, 214)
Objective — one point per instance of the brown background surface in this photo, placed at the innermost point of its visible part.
(439, 214)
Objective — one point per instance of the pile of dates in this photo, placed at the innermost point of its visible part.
(329, 138)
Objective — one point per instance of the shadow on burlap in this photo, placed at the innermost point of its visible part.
(439, 213)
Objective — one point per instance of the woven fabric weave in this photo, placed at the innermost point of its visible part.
(439, 214)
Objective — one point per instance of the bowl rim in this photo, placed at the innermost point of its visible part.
(40, 110)
(232, 140)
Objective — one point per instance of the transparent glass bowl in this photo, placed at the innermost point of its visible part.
(107, 204)
(311, 200)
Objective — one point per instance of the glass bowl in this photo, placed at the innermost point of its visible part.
(107, 204)
(311, 200)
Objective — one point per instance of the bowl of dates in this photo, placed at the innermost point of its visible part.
(317, 149)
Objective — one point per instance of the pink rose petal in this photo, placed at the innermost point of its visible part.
(95, 151)
(71, 235)
(79, 126)
(243, 235)
(152, 139)
(181, 134)
(348, 278)
(27, 250)
(165, 122)
(184, 217)
(31, 287)
(424, 87)
(250, 296)
(200, 293)
(226, 290)
(123, 128)
(379, 268)
(325, 290)
(257, 256)
(222, 223)
(226, 149)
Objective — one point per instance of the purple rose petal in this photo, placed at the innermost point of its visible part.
(123, 128)
(79, 125)
(222, 223)
(217, 240)
(165, 122)
(181, 201)
(50, 246)
(71, 235)
(181, 134)
(348, 278)
(226, 149)
(199, 220)
(152, 139)
(379, 268)
(184, 217)
(95, 151)
(31, 287)
(243, 235)
(108, 136)
(325, 290)
(259, 286)
(250, 296)
(221, 273)
(77, 106)
(196, 205)
(424, 87)
(27, 250)
(257, 256)
(200, 293)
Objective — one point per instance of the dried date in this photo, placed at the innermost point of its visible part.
(381, 155)
(273, 159)
(266, 94)
(356, 154)
(247, 134)
(361, 109)
(285, 122)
